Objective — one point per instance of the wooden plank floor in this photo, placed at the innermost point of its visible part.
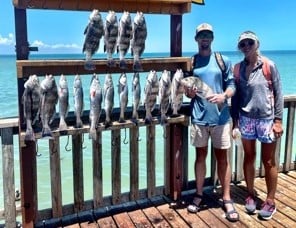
(158, 212)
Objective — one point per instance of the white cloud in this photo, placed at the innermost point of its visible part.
(40, 44)
(9, 40)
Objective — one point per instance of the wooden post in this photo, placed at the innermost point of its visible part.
(97, 170)
(8, 177)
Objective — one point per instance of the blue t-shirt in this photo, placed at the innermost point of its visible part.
(202, 111)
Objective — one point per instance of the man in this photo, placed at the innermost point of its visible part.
(210, 117)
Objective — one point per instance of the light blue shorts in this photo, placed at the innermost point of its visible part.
(260, 129)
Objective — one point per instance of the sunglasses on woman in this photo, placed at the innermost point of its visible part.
(245, 43)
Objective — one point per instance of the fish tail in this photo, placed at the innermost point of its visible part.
(89, 65)
(29, 136)
(63, 125)
(163, 120)
(93, 133)
(79, 123)
(122, 64)
(46, 133)
(137, 66)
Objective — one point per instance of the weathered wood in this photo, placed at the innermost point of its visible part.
(167, 160)
(116, 165)
(55, 177)
(8, 177)
(134, 163)
(106, 222)
(123, 220)
(289, 136)
(77, 160)
(139, 219)
(151, 6)
(150, 160)
(25, 68)
(97, 170)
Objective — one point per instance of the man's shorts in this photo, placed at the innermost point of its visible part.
(260, 129)
(220, 135)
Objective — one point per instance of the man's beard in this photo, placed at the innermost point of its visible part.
(205, 47)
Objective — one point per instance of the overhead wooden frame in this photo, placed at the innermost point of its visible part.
(173, 7)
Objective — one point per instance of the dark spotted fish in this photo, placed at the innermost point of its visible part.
(177, 92)
(164, 95)
(110, 36)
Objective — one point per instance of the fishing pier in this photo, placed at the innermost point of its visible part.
(155, 205)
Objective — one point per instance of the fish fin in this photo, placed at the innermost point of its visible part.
(107, 124)
(63, 125)
(121, 120)
(93, 134)
(46, 133)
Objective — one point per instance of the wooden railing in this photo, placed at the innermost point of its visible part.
(85, 207)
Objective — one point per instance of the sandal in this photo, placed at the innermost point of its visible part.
(195, 204)
(231, 212)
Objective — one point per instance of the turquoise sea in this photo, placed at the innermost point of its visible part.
(285, 61)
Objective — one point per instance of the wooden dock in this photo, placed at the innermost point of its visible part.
(159, 212)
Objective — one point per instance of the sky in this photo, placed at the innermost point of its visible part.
(54, 31)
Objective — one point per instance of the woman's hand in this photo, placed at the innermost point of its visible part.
(277, 128)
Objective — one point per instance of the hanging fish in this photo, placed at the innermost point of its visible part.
(63, 92)
(138, 40)
(150, 94)
(96, 98)
(110, 36)
(136, 90)
(125, 33)
(123, 96)
(78, 100)
(108, 99)
(164, 95)
(93, 34)
(177, 92)
(31, 103)
(49, 99)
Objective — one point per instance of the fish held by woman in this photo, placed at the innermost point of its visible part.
(63, 93)
(31, 103)
(49, 99)
(138, 40)
(96, 97)
(125, 33)
(110, 36)
(93, 34)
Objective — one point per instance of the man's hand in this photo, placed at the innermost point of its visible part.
(217, 98)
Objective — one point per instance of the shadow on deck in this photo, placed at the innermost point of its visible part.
(158, 212)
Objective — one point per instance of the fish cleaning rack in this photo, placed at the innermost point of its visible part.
(25, 67)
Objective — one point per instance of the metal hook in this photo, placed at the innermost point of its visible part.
(125, 141)
(37, 154)
(83, 147)
(66, 147)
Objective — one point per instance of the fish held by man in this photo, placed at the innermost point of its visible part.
(138, 40)
(177, 92)
(150, 95)
(123, 96)
(136, 90)
(63, 93)
(96, 98)
(78, 100)
(125, 33)
(164, 95)
(110, 36)
(108, 99)
(93, 34)
(49, 99)
(202, 89)
(31, 103)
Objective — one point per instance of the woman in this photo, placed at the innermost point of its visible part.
(257, 110)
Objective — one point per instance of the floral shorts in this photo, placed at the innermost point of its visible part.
(260, 129)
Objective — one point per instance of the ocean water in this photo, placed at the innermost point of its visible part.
(9, 108)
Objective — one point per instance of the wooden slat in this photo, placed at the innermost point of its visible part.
(77, 160)
(150, 160)
(134, 163)
(289, 137)
(123, 220)
(139, 219)
(97, 170)
(9, 122)
(55, 177)
(150, 6)
(25, 68)
(116, 165)
(106, 222)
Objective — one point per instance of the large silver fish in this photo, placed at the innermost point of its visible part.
(177, 92)
(31, 104)
(123, 96)
(93, 34)
(63, 92)
(138, 40)
(125, 33)
(150, 94)
(203, 90)
(164, 95)
(108, 99)
(96, 98)
(136, 90)
(110, 36)
(49, 99)
(78, 100)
